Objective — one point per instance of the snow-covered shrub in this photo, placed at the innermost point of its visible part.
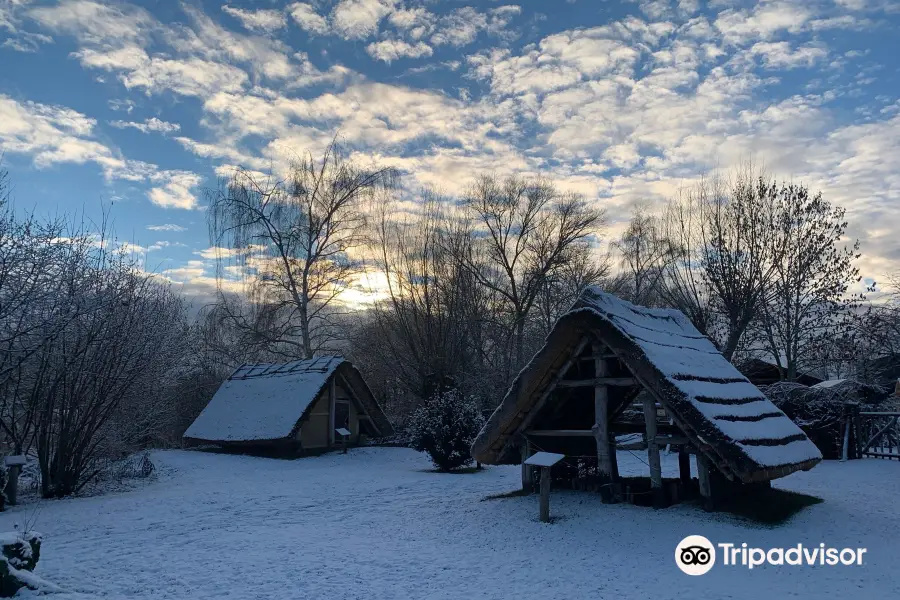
(445, 426)
(19, 555)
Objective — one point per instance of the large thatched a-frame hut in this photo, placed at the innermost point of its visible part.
(610, 368)
(291, 408)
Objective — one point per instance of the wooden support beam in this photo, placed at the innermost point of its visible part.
(598, 381)
(606, 444)
(704, 478)
(684, 467)
(545, 495)
(656, 483)
(527, 470)
(560, 432)
(551, 385)
(601, 356)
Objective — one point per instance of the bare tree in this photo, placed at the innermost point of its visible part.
(721, 233)
(293, 243)
(811, 275)
(525, 231)
(646, 252)
(126, 339)
(684, 284)
(424, 325)
(563, 287)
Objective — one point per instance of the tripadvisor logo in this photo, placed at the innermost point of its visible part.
(696, 555)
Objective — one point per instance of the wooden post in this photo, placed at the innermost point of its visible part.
(684, 466)
(545, 495)
(606, 447)
(659, 494)
(703, 477)
(857, 432)
(845, 446)
(527, 470)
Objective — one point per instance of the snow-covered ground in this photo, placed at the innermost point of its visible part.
(376, 523)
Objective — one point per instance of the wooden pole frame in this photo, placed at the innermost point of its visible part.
(704, 478)
(606, 445)
(545, 495)
(527, 470)
(656, 481)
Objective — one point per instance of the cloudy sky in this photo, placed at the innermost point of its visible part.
(145, 104)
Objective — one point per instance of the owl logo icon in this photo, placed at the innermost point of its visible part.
(695, 555)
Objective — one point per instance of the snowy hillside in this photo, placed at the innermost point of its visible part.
(376, 523)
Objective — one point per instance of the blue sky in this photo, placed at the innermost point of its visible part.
(145, 105)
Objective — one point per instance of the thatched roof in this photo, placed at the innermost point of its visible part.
(721, 412)
(267, 402)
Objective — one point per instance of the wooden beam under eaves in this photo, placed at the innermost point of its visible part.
(597, 381)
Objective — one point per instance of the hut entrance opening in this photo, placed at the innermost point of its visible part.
(594, 408)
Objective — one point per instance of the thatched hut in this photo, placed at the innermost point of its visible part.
(607, 359)
(291, 408)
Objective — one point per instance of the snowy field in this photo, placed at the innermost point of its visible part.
(375, 523)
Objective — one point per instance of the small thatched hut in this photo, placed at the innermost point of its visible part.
(610, 368)
(293, 407)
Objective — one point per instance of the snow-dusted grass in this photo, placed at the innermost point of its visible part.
(375, 523)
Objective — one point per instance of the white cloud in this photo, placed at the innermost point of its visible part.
(54, 134)
(781, 55)
(166, 227)
(460, 27)
(264, 20)
(174, 189)
(94, 22)
(359, 19)
(24, 41)
(152, 124)
(767, 19)
(391, 50)
(192, 76)
(308, 19)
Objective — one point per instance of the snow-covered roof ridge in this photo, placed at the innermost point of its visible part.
(320, 364)
(266, 401)
(724, 415)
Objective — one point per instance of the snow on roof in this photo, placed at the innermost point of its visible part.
(829, 384)
(263, 401)
(727, 416)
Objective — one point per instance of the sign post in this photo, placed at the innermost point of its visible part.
(544, 460)
(14, 463)
(344, 433)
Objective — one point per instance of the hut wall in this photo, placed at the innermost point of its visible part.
(343, 395)
(314, 430)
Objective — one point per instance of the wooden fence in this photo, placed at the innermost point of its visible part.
(875, 434)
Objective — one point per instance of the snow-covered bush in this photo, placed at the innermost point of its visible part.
(19, 555)
(445, 426)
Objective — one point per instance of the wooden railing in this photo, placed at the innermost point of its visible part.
(878, 434)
